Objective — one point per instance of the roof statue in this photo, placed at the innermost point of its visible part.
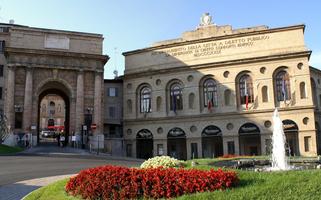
(206, 20)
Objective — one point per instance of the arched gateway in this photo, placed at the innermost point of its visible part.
(68, 64)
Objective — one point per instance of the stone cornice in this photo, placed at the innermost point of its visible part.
(176, 44)
(13, 50)
(48, 66)
(129, 75)
(224, 115)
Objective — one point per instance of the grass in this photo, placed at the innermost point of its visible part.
(4, 149)
(253, 186)
(54, 191)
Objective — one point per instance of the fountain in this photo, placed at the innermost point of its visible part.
(279, 158)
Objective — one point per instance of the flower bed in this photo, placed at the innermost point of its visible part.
(115, 182)
(161, 161)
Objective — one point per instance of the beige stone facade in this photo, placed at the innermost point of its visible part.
(46, 61)
(52, 113)
(252, 58)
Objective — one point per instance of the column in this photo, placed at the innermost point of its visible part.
(80, 102)
(9, 108)
(98, 109)
(27, 106)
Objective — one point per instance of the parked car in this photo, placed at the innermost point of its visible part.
(47, 133)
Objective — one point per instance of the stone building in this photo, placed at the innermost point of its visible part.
(52, 113)
(41, 61)
(213, 92)
(113, 116)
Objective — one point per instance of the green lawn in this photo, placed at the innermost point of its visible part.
(4, 149)
(54, 191)
(253, 185)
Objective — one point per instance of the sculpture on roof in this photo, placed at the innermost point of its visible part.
(206, 20)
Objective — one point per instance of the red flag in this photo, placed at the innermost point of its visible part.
(209, 105)
(246, 95)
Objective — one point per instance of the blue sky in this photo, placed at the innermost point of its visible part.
(128, 25)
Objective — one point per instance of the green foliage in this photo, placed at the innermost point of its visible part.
(161, 161)
(270, 185)
(55, 191)
(4, 149)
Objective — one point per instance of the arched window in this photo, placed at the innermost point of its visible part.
(52, 108)
(265, 97)
(210, 93)
(44, 108)
(145, 100)
(302, 90)
(282, 85)
(246, 89)
(227, 97)
(176, 98)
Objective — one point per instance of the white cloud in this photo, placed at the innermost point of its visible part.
(315, 59)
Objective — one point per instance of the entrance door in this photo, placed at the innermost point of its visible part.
(144, 144)
(176, 144)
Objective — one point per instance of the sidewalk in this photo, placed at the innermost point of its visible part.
(20, 189)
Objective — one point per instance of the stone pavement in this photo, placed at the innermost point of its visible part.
(20, 189)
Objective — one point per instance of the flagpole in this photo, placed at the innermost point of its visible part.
(246, 95)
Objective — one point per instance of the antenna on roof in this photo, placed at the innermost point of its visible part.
(115, 63)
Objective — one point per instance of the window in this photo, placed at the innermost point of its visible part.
(265, 97)
(43, 108)
(282, 85)
(191, 99)
(145, 100)
(176, 98)
(129, 150)
(52, 108)
(129, 106)
(302, 90)
(4, 29)
(112, 92)
(112, 112)
(2, 45)
(160, 149)
(112, 130)
(0, 92)
(18, 120)
(230, 148)
(210, 93)
(51, 122)
(307, 141)
(194, 151)
(246, 89)
(1, 70)
(159, 103)
(227, 97)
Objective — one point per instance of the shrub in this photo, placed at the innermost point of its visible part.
(115, 182)
(161, 161)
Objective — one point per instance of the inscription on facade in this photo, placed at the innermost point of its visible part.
(56, 42)
(211, 48)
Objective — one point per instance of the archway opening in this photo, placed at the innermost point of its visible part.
(291, 129)
(176, 144)
(144, 144)
(249, 139)
(212, 142)
(53, 116)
